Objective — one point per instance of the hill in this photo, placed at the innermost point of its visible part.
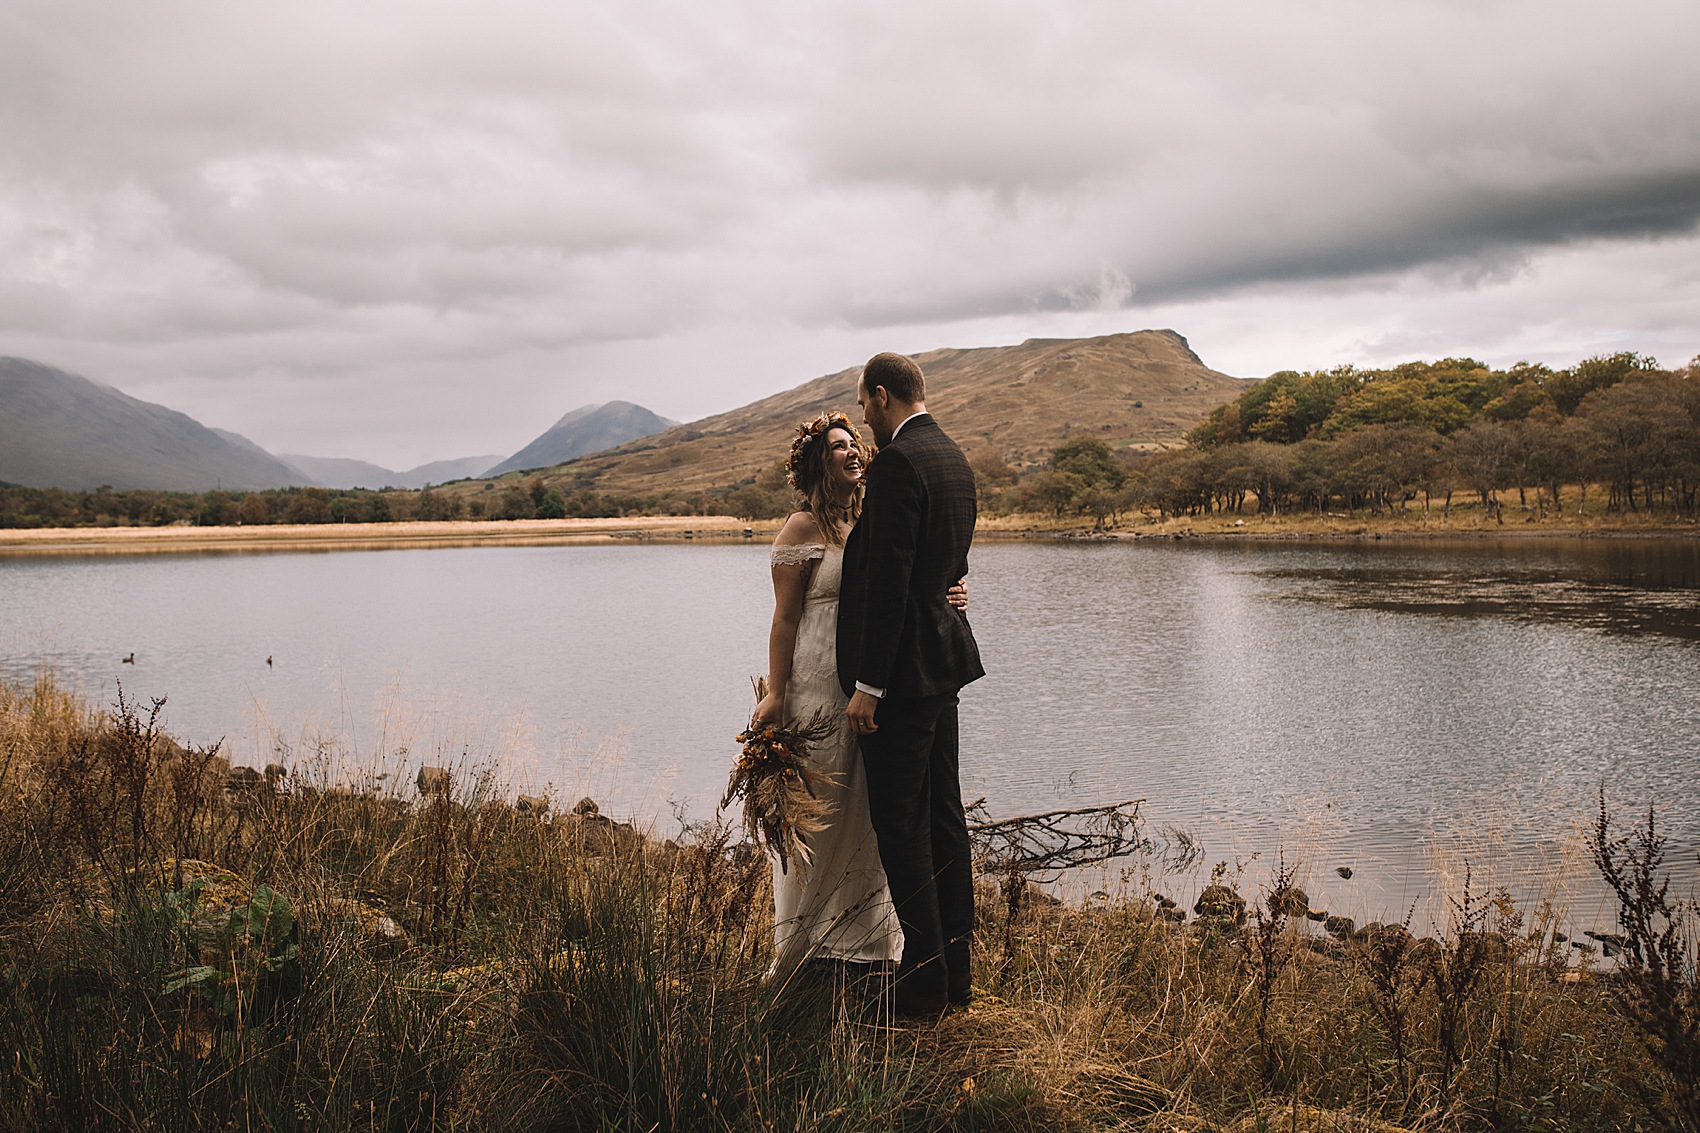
(442, 471)
(1143, 389)
(591, 428)
(340, 472)
(59, 430)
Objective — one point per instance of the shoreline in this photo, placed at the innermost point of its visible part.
(16, 542)
(1466, 523)
(374, 536)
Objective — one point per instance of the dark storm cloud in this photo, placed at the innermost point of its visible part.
(1482, 228)
(372, 206)
(1251, 146)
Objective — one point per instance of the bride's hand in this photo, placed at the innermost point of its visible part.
(771, 710)
(958, 595)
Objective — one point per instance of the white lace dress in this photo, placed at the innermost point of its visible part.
(837, 906)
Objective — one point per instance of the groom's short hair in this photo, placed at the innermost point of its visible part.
(899, 375)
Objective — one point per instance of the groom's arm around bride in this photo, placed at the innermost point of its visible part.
(903, 655)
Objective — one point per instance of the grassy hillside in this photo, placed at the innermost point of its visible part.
(1141, 389)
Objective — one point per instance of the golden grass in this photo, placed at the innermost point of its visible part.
(565, 972)
(372, 536)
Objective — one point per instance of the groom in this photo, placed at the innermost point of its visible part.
(903, 654)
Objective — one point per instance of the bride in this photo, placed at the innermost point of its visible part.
(836, 907)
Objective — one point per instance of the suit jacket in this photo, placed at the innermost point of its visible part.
(896, 630)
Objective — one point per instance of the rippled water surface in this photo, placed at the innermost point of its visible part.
(1394, 706)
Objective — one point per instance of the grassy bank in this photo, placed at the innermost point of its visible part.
(368, 536)
(183, 946)
(1465, 520)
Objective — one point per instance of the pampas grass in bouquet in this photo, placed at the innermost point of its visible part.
(774, 778)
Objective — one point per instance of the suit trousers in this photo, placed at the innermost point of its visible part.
(915, 804)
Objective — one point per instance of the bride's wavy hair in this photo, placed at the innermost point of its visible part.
(805, 470)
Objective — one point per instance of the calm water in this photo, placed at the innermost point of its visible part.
(1389, 706)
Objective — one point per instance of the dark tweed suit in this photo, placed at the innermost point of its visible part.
(896, 631)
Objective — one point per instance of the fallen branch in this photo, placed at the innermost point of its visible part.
(1056, 840)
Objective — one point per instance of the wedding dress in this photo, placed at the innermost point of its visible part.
(837, 906)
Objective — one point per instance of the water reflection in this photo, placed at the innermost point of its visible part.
(1628, 586)
(1284, 699)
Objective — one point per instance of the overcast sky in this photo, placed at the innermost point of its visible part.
(411, 231)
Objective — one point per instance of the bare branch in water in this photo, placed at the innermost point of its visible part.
(1056, 840)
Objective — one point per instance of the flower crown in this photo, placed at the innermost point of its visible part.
(807, 434)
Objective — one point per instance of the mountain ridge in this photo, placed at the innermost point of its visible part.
(62, 430)
(348, 472)
(1141, 389)
(587, 429)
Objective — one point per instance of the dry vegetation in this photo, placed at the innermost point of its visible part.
(183, 946)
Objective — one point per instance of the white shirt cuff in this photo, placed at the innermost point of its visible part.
(870, 690)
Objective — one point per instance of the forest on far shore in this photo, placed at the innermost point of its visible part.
(1383, 441)
(1346, 439)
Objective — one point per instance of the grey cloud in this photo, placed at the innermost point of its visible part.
(353, 202)
(1324, 155)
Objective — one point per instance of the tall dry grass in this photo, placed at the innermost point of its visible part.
(184, 947)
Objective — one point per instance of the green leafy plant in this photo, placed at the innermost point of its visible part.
(245, 955)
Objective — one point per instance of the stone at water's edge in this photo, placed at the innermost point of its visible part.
(433, 781)
(1220, 901)
(1290, 902)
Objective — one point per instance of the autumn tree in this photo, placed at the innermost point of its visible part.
(1386, 464)
(1643, 436)
(308, 505)
(1481, 452)
(1568, 388)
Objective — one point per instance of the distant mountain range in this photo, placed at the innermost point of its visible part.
(1143, 389)
(590, 429)
(60, 430)
(339, 472)
(63, 431)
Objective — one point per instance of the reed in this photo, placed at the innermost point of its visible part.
(183, 946)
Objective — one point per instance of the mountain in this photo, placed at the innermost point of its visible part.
(59, 430)
(248, 446)
(585, 430)
(1143, 389)
(340, 472)
(442, 471)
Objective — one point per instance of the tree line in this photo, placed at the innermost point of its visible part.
(531, 498)
(1419, 434)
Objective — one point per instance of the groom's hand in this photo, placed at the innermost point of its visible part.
(861, 713)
